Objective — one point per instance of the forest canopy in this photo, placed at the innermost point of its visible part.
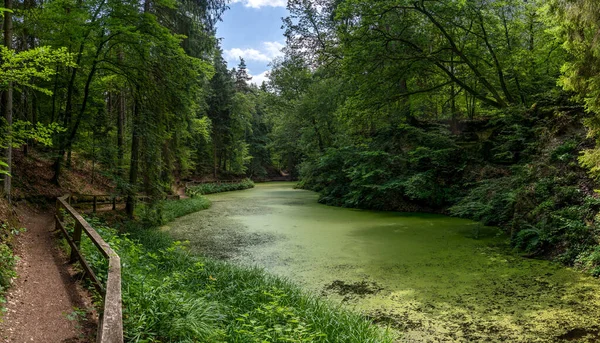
(455, 106)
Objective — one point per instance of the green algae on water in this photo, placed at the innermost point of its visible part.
(429, 277)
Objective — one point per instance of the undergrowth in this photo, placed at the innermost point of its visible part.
(216, 187)
(164, 211)
(519, 171)
(9, 229)
(171, 295)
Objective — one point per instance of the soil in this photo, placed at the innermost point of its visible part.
(32, 178)
(45, 303)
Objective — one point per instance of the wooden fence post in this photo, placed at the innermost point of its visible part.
(110, 329)
(59, 216)
(77, 240)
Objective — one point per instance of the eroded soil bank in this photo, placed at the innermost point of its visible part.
(429, 277)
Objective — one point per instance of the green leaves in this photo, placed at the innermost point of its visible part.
(27, 68)
(22, 131)
(4, 168)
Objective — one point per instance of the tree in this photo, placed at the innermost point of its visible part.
(8, 98)
(578, 24)
(23, 69)
(241, 77)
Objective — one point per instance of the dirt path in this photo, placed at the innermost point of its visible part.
(44, 304)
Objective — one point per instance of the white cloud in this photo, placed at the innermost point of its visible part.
(247, 54)
(273, 49)
(269, 51)
(262, 3)
(258, 79)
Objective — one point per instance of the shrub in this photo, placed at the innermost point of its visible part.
(165, 211)
(217, 187)
(407, 163)
(7, 258)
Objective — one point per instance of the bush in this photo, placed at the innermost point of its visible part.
(491, 202)
(165, 211)
(7, 258)
(217, 187)
(405, 164)
(179, 208)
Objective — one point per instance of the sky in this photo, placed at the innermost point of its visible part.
(251, 29)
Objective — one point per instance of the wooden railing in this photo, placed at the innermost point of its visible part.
(100, 199)
(110, 327)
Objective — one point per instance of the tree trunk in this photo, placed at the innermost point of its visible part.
(215, 161)
(120, 126)
(135, 145)
(62, 139)
(454, 117)
(8, 100)
(133, 169)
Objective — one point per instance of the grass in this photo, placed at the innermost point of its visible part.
(175, 209)
(211, 188)
(165, 211)
(171, 295)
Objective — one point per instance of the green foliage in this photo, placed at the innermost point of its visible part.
(165, 211)
(403, 164)
(565, 152)
(218, 187)
(22, 131)
(7, 265)
(27, 68)
(7, 258)
(273, 321)
(576, 24)
(590, 260)
(4, 168)
(491, 202)
(179, 208)
(539, 199)
(528, 240)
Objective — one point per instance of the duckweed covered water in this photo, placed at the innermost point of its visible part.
(429, 277)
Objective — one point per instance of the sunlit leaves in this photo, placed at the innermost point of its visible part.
(27, 68)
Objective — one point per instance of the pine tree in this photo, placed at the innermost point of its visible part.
(241, 77)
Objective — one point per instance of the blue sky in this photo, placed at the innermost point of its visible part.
(252, 29)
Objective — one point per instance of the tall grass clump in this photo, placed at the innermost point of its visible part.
(165, 211)
(217, 187)
(175, 209)
(171, 295)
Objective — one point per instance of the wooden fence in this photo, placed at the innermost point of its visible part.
(103, 199)
(110, 327)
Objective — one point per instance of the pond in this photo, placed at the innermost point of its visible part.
(430, 278)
